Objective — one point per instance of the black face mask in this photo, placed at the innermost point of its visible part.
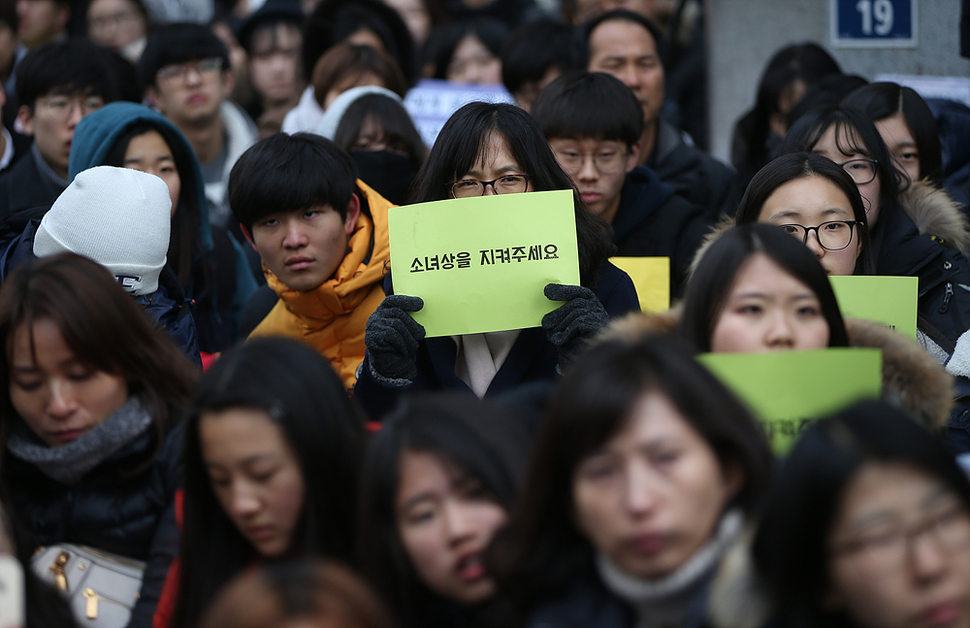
(388, 173)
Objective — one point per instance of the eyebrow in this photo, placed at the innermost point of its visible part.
(245, 462)
(506, 168)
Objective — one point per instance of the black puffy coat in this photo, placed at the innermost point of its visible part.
(110, 510)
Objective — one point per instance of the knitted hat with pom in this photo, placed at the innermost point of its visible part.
(118, 217)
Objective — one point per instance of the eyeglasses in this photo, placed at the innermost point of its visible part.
(509, 184)
(103, 23)
(862, 171)
(606, 161)
(206, 68)
(885, 552)
(833, 235)
(61, 107)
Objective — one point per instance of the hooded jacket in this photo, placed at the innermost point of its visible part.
(332, 317)
(219, 297)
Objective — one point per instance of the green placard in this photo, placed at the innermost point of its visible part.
(480, 264)
(887, 300)
(787, 390)
(651, 278)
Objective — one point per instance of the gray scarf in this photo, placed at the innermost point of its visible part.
(69, 463)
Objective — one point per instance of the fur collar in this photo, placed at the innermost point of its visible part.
(911, 378)
(936, 214)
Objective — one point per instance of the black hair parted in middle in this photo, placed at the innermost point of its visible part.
(595, 105)
(287, 173)
(709, 287)
(884, 100)
(300, 392)
(464, 140)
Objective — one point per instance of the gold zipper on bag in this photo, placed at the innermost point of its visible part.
(60, 578)
(92, 606)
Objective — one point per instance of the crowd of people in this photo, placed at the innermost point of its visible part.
(220, 413)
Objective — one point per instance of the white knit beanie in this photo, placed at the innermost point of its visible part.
(118, 217)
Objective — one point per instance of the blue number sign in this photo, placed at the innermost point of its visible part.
(874, 23)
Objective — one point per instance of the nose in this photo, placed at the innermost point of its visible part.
(640, 496)
(927, 559)
(294, 237)
(243, 502)
(814, 245)
(75, 115)
(192, 75)
(489, 189)
(779, 333)
(588, 171)
(459, 526)
(61, 403)
(630, 77)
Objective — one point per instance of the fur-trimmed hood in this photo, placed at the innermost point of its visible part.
(936, 214)
(911, 378)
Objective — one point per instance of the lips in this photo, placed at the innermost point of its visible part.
(66, 436)
(648, 544)
(942, 614)
(470, 567)
(298, 262)
(260, 533)
(590, 197)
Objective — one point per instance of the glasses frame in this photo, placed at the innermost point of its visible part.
(74, 103)
(875, 169)
(179, 75)
(485, 184)
(818, 238)
(596, 165)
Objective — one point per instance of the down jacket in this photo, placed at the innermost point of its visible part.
(331, 318)
(133, 516)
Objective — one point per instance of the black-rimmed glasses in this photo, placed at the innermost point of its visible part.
(833, 235)
(862, 171)
(508, 184)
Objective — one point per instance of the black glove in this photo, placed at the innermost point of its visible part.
(574, 322)
(392, 338)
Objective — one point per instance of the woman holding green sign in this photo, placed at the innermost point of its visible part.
(488, 149)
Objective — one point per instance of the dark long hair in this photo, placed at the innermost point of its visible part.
(711, 283)
(863, 138)
(883, 100)
(541, 552)
(299, 389)
(481, 438)
(185, 245)
(807, 62)
(461, 143)
(791, 549)
(103, 327)
(799, 166)
(393, 119)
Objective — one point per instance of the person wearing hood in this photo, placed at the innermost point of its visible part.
(593, 123)
(372, 125)
(207, 260)
(119, 219)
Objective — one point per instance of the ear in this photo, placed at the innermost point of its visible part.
(353, 213)
(151, 94)
(26, 118)
(734, 479)
(63, 16)
(228, 82)
(249, 236)
(634, 158)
